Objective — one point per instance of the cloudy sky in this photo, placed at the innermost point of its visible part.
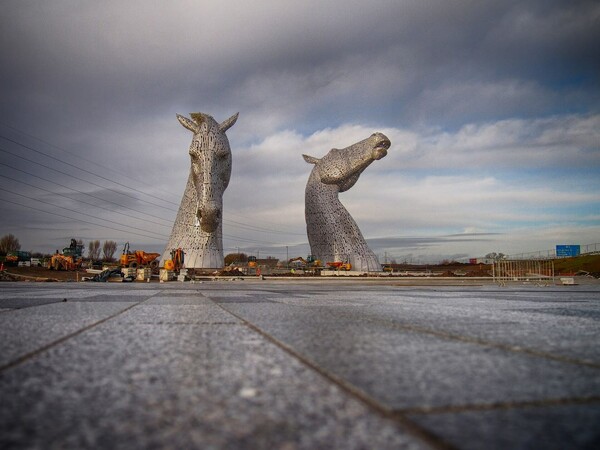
(492, 108)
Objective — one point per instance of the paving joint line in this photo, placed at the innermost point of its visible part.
(489, 344)
(7, 310)
(407, 424)
(23, 358)
(499, 406)
(498, 345)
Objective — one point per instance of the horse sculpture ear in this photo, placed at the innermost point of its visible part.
(227, 124)
(310, 159)
(187, 123)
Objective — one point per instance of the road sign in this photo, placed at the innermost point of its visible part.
(566, 251)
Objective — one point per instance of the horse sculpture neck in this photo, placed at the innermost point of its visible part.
(333, 234)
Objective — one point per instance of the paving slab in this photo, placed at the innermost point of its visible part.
(412, 368)
(23, 331)
(548, 427)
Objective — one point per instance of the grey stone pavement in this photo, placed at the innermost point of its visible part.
(299, 365)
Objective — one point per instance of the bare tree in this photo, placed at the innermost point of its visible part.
(108, 249)
(9, 243)
(94, 250)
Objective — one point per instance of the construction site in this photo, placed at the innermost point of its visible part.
(141, 266)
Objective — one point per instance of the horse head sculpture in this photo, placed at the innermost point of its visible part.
(199, 222)
(332, 233)
(211, 165)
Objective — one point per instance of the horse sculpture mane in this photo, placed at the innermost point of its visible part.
(198, 228)
(332, 233)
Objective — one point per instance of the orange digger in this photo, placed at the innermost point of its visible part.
(70, 259)
(176, 261)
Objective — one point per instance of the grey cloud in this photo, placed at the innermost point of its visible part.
(140, 58)
(104, 81)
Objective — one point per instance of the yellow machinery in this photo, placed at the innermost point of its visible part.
(62, 262)
(339, 265)
(299, 259)
(176, 261)
(310, 262)
(70, 259)
(137, 258)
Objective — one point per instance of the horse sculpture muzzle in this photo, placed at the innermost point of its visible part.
(381, 147)
(209, 215)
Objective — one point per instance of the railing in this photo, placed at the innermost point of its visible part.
(588, 249)
(523, 270)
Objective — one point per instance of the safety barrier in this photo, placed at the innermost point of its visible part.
(523, 270)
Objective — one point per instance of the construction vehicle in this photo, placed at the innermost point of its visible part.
(309, 262)
(299, 259)
(138, 258)
(176, 261)
(339, 265)
(70, 259)
(14, 257)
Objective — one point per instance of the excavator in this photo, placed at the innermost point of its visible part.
(138, 258)
(176, 261)
(299, 259)
(70, 259)
(309, 263)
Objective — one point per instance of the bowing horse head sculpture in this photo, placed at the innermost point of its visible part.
(198, 228)
(332, 233)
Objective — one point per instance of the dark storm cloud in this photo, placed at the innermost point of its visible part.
(93, 64)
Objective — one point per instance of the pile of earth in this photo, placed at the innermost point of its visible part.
(36, 273)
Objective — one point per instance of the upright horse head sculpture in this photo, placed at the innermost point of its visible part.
(332, 233)
(198, 228)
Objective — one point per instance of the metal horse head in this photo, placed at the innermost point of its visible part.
(332, 233)
(342, 167)
(211, 166)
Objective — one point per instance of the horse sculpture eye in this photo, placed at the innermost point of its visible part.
(194, 147)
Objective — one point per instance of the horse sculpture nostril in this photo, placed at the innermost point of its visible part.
(385, 143)
(379, 153)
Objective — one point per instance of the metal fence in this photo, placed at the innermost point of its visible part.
(523, 270)
(551, 254)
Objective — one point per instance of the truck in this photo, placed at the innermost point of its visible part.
(137, 258)
(14, 257)
(339, 265)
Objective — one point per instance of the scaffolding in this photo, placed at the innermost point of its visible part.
(535, 270)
